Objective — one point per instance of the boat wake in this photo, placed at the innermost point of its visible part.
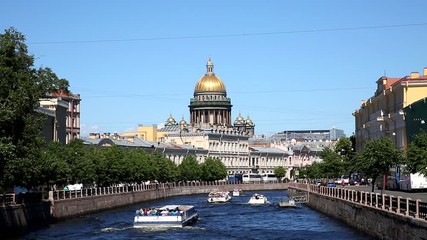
(168, 228)
(112, 229)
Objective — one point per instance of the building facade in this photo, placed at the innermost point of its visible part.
(211, 133)
(211, 127)
(55, 111)
(311, 135)
(384, 114)
(73, 113)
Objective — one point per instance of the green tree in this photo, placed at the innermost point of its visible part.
(189, 169)
(136, 166)
(213, 169)
(376, 158)
(21, 87)
(54, 168)
(167, 169)
(416, 154)
(280, 172)
(332, 165)
(109, 166)
(344, 147)
(314, 171)
(80, 162)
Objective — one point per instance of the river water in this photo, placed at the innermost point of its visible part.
(233, 220)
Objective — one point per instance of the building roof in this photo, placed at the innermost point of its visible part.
(169, 128)
(268, 150)
(126, 142)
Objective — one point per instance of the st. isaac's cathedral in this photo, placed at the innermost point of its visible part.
(211, 132)
(210, 108)
(210, 125)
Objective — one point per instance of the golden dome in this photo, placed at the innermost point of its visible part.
(182, 122)
(239, 119)
(249, 122)
(170, 121)
(210, 82)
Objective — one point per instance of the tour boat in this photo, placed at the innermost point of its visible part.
(258, 199)
(166, 216)
(236, 192)
(219, 197)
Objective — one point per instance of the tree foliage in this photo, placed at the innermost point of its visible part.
(280, 172)
(213, 169)
(416, 155)
(21, 87)
(167, 170)
(377, 156)
(314, 171)
(332, 165)
(54, 169)
(189, 169)
(345, 148)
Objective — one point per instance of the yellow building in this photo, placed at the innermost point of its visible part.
(147, 133)
(152, 133)
(383, 114)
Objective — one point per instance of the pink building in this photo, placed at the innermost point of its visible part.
(73, 113)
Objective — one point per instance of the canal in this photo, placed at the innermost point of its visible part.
(234, 220)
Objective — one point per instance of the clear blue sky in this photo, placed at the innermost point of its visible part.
(289, 65)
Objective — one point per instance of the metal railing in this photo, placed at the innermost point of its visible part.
(58, 195)
(89, 192)
(7, 199)
(389, 203)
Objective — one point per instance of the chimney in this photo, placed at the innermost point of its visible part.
(414, 75)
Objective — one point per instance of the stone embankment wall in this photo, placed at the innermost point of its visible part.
(14, 218)
(73, 207)
(376, 222)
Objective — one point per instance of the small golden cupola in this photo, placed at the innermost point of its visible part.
(239, 120)
(183, 122)
(170, 121)
(249, 122)
(210, 82)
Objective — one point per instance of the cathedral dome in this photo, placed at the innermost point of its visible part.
(239, 120)
(249, 122)
(170, 121)
(183, 122)
(210, 82)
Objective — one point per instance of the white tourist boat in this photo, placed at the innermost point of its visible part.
(219, 197)
(258, 199)
(236, 192)
(166, 216)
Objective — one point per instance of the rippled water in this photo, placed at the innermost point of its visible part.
(234, 220)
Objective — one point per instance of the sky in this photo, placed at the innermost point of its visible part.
(289, 65)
